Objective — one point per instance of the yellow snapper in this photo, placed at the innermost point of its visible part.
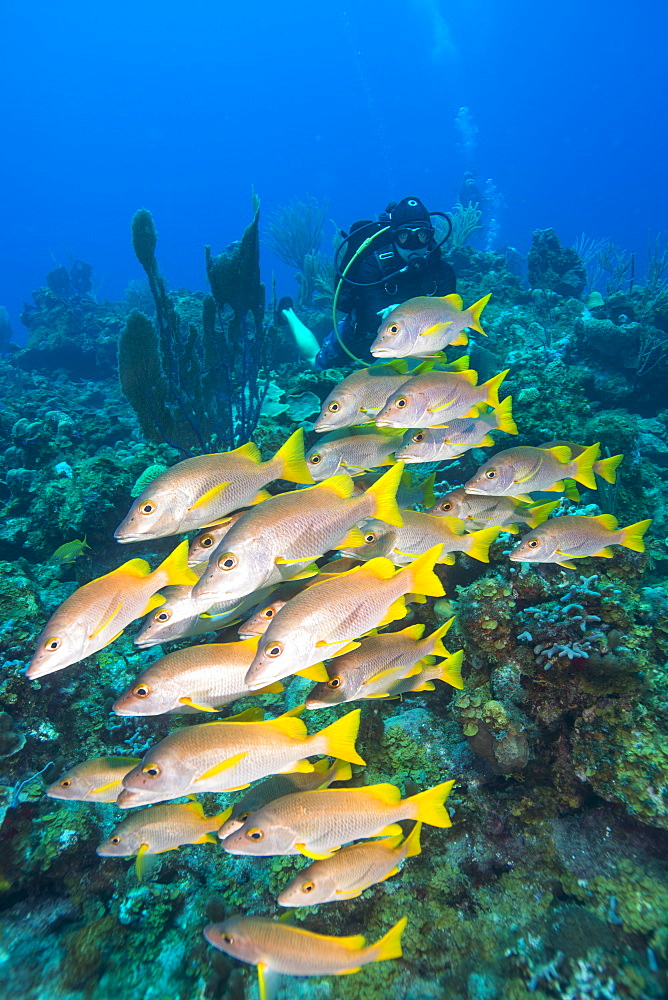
(198, 678)
(379, 660)
(352, 870)
(426, 324)
(227, 755)
(183, 615)
(449, 671)
(518, 472)
(316, 824)
(322, 776)
(200, 491)
(355, 454)
(606, 468)
(67, 553)
(276, 947)
(575, 536)
(97, 780)
(97, 613)
(418, 533)
(486, 512)
(258, 623)
(435, 398)
(438, 444)
(203, 544)
(160, 829)
(327, 619)
(360, 396)
(292, 528)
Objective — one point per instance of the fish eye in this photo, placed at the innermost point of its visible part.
(255, 834)
(227, 561)
(533, 544)
(66, 782)
(206, 541)
(162, 616)
(394, 328)
(418, 437)
(267, 613)
(228, 939)
(370, 537)
(401, 402)
(334, 407)
(242, 817)
(141, 691)
(447, 505)
(334, 683)
(115, 840)
(314, 459)
(147, 507)
(273, 649)
(491, 474)
(52, 644)
(151, 770)
(308, 886)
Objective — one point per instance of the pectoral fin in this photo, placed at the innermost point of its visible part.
(193, 704)
(210, 495)
(107, 621)
(312, 854)
(225, 765)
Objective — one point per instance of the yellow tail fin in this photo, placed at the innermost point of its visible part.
(428, 495)
(339, 739)
(537, 515)
(340, 771)
(290, 458)
(460, 365)
(478, 547)
(504, 416)
(570, 490)
(420, 577)
(607, 468)
(632, 537)
(475, 311)
(451, 670)
(429, 806)
(437, 647)
(412, 841)
(584, 466)
(175, 568)
(492, 389)
(384, 496)
(389, 945)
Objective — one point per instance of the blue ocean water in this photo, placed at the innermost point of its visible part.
(184, 109)
(545, 724)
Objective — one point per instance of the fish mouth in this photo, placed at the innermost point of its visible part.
(128, 536)
(146, 642)
(118, 709)
(382, 352)
(475, 492)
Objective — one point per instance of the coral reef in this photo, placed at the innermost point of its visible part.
(552, 881)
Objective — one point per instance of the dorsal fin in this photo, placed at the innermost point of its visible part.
(608, 521)
(454, 300)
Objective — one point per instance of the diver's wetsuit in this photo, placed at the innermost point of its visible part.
(433, 276)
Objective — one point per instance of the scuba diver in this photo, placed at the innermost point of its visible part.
(378, 265)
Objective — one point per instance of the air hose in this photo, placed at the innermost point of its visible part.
(350, 263)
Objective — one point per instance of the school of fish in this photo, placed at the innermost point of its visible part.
(267, 563)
